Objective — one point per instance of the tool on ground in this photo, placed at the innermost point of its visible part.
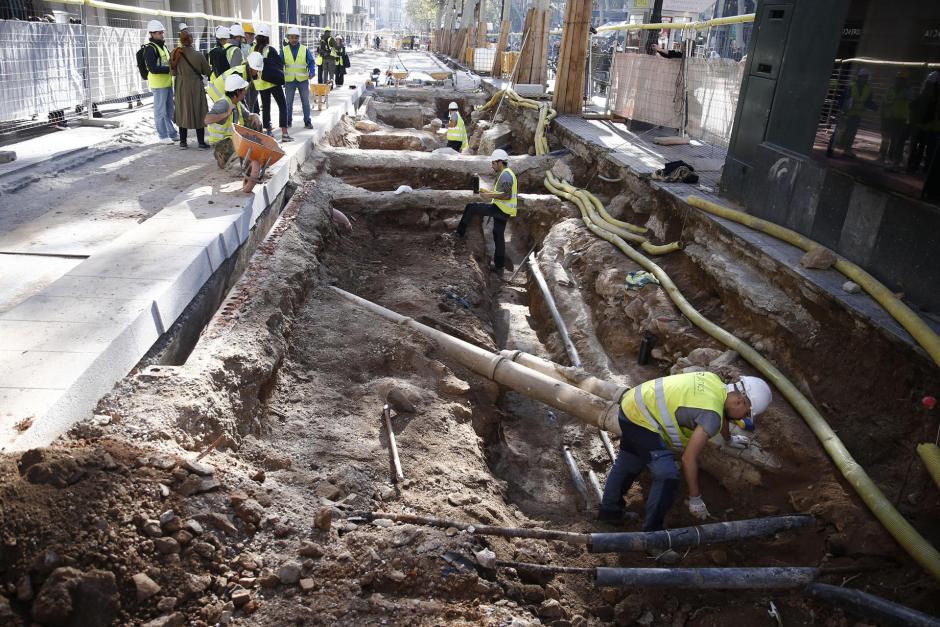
(397, 475)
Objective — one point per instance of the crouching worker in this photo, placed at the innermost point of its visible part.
(501, 205)
(676, 415)
(221, 121)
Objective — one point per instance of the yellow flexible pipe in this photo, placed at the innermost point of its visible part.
(908, 537)
(930, 454)
(913, 323)
(610, 219)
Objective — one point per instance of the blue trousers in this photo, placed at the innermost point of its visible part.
(641, 448)
(163, 113)
(302, 87)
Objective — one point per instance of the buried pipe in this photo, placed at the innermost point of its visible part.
(695, 578)
(573, 356)
(576, 477)
(870, 606)
(595, 485)
(574, 401)
(392, 445)
(588, 383)
(620, 542)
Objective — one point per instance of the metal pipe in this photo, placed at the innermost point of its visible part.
(576, 477)
(392, 445)
(684, 537)
(706, 578)
(608, 446)
(870, 606)
(556, 316)
(595, 485)
(584, 406)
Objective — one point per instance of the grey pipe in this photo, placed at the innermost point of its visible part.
(707, 578)
(595, 484)
(870, 606)
(576, 477)
(553, 309)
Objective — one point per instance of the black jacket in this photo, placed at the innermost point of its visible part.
(152, 58)
(218, 61)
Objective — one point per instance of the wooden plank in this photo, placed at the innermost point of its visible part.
(569, 86)
(501, 45)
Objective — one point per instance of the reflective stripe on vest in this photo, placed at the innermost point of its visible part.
(295, 68)
(230, 52)
(216, 87)
(261, 84)
(220, 130)
(508, 206)
(160, 81)
(653, 404)
(457, 133)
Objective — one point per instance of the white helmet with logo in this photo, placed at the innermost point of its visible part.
(499, 155)
(757, 392)
(155, 26)
(222, 32)
(263, 29)
(234, 82)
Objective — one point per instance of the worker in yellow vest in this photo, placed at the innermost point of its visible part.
(502, 203)
(157, 58)
(670, 416)
(250, 70)
(221, 121)
(856, 99)
(299, 70)
(456, 129)
(269, 83)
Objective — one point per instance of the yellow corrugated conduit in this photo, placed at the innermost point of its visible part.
(902, 531)
(913, 323)
(930, 455)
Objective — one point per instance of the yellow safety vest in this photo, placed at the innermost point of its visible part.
(216, 88)
(220, 130)
(506, 206)
(295, 68)
(458, 133)
(160, 81)
(859, 99)
(230, 51)
(261, 84)
(653, 405)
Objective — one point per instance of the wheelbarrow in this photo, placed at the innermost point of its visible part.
(251, 145)
(321, 95)
(441, 77)
(399, 77)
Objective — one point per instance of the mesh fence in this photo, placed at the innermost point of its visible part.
(51, 73)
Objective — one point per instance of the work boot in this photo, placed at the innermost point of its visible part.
(308, 125)
(183, 144)
(499, 271)
(204, 146)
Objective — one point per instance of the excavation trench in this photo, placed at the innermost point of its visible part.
(294, 379)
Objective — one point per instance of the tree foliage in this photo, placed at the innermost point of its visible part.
(421, 13)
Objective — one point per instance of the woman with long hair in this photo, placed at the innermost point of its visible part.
(269, 84)
(189, 66)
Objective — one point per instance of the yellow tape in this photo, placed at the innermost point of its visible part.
(721, 21)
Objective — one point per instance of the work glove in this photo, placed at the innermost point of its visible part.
(739, 441)
(697, 508)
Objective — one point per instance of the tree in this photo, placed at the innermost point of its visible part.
(421, 13)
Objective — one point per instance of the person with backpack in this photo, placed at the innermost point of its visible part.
(328, 51)
(249, 70)
(153, 63)
(298, 70)
(188, 67)
(270, 82)
(219, 57)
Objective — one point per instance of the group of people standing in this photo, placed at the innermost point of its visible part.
(177, 79)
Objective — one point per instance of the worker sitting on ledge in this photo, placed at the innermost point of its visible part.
(221, 120)
(663, 417)
(501, 206)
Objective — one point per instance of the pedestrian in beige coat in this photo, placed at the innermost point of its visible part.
(189, 66)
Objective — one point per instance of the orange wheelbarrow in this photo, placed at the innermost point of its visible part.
(251, 145)
(321, 95)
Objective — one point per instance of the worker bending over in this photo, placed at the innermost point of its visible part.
(456, 129)
(501, 205)
(249, 70)
(221, 121)
(661, 418)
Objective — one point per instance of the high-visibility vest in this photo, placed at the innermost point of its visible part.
(295, 68)
(216, 88)
(653, 405)
(261, 84)
(506, 206)
(457, 133)
(896, 105)
(230, 49)
(859, 98)
(160, 81)
(220, 130)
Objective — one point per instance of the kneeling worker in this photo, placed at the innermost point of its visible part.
(663, 417)
(221, 120)
(501, 206)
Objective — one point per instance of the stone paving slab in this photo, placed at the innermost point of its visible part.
(65, 347)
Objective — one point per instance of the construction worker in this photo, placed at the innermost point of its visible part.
(327, 50)
(668, 416)
(273, 69)
(501, 205)
(342, 61)
(249, 43)
(221, 120)
(895, 120)
(237, 55)
(157, 58)
(250, 70)
(299, 70)
(456, 129)
(218, 56)
(856, 98)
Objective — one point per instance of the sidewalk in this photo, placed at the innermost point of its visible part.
(63, 347)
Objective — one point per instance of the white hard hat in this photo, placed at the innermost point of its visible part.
(155, 26)
(263, 29)
(293, 30)
(255, 61)
(452, 106)
(757, 392)
(234, 82)
(183, 26)
(236, 30)
(500, 155)
(222, 32)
